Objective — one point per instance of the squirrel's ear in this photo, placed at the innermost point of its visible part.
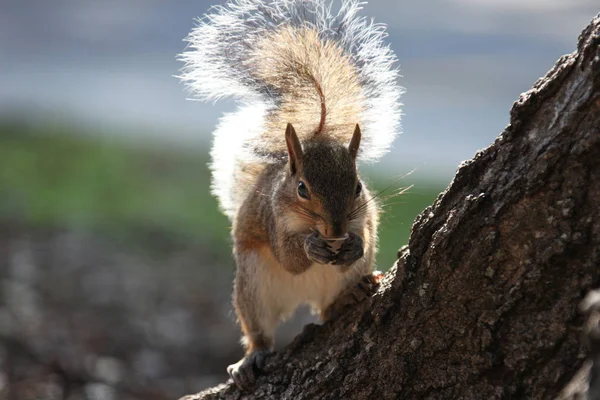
(355, 142)
(294, 148)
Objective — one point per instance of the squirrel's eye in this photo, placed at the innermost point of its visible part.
(358, 188)
(302, 190)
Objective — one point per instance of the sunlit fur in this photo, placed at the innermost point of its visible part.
(329, 77)
(290, 61)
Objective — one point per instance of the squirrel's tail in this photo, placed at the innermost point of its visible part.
(290, 61)
(298, 62)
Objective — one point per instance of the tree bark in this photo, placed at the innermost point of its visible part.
(482, 303)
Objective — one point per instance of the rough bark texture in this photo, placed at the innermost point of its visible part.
(482, 303)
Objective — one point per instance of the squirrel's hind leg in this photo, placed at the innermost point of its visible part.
(257, 318)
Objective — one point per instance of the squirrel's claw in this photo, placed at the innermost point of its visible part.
(351, 250)
(318, 250)
(364, 288)
(245, 372)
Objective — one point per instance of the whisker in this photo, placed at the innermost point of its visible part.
(362, 209)
(366, 203)
(407, 174)
(388, 205)
(403, 190)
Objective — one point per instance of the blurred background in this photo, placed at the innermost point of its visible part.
(115, 265)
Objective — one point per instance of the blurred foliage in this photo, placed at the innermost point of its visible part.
(51, 177)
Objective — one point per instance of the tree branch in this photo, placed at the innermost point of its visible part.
(482, 303)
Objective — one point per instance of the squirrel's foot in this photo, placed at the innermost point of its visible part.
(353, 295)
(318, 250)
(351, 250)
(245, 372)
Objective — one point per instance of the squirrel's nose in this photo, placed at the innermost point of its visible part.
(334, 230)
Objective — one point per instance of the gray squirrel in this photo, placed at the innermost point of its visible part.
(317, 91)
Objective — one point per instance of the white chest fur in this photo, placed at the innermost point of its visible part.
(318, 287)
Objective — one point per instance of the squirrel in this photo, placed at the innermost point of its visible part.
(317, 91)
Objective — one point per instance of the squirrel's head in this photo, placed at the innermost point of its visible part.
(322, 186)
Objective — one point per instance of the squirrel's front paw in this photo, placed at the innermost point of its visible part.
(318, 250)
(351, 250)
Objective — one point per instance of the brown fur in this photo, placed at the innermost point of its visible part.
(274, 275)
(322, 74)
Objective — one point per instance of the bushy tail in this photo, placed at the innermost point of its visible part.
(295, 61)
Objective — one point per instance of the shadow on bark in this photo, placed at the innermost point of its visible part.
(483, 302)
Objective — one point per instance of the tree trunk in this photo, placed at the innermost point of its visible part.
(482, 303)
